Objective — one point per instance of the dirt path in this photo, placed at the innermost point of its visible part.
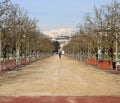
(55, 77)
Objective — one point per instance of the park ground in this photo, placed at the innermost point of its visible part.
(54, 80)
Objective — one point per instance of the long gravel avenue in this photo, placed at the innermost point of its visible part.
(59, 77)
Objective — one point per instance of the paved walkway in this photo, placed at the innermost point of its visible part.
(59, 77)
(53, 76)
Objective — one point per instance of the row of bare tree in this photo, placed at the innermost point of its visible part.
(99, 34)
(19, 34)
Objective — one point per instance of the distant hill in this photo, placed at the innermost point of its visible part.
(59, 32)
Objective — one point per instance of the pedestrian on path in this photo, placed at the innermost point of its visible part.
(60, 53)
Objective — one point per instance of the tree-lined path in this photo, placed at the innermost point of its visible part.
(59, 77)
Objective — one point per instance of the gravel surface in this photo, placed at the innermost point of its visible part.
(59, 77)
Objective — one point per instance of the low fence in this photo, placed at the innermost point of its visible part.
(104, 64)
(11, 64)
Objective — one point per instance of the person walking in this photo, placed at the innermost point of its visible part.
(60, 53)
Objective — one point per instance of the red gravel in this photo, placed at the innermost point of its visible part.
(60, 99)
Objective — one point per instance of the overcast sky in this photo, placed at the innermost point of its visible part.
(55, 14)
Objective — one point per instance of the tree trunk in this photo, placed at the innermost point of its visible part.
(17, 55)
